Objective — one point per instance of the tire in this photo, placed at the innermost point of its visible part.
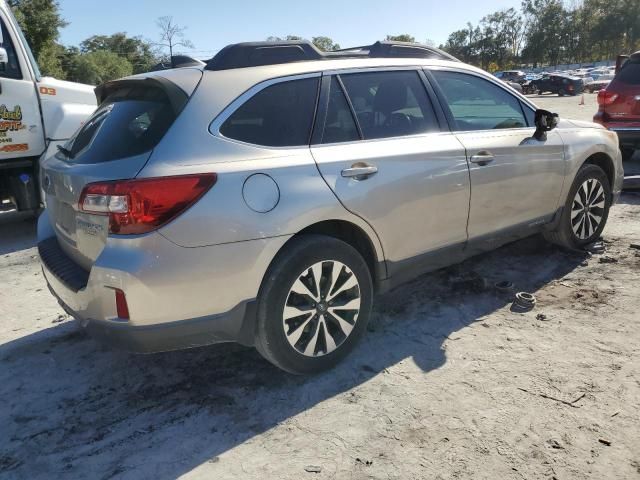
(627, 153)
(322, 334)
(561, 92)
(573, 233)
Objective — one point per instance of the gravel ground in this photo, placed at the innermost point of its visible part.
(448, 383)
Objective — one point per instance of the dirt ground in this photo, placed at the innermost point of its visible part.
(449, 382)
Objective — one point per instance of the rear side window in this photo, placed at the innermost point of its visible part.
(129, 122)
(390, 104)
(477, 104)
(339, 125)
(629, 74)
(281, 115)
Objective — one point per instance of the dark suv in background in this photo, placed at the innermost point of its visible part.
(619, 104)
(560, 84)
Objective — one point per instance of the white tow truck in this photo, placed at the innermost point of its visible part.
(36, 115)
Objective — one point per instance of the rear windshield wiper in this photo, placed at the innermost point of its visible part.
(65, 151)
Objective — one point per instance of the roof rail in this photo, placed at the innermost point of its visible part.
(252, 54)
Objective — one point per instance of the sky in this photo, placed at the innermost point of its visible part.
(213, 24)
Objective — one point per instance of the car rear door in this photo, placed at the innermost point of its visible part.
(515, 179)
(379, 146)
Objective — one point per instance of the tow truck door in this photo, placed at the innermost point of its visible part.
(21, 131)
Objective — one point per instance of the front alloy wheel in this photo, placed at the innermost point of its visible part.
(321, 308)
(588, 208)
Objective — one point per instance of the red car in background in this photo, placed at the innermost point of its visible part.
(619, 104)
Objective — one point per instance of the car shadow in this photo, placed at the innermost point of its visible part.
(72, 407)
(17, 235)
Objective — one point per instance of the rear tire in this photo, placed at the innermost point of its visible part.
(586, 210)
(627, 153)
(311, 331)
(561, 92)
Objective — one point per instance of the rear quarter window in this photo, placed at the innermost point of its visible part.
(280, 115)
(131, 121)
(629, 74)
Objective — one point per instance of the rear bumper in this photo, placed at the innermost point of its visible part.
(173, 335)
(177, 297)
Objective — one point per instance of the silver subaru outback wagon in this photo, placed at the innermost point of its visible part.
(265, 197)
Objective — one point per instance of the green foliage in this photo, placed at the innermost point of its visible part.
(39, 20)
(97, 67)
(405, 37)
(137, 51)
(550, 32)
(325, 44)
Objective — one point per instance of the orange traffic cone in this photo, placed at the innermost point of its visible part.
(581, 100)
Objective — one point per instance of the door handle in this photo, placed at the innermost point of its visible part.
(359, 171)
(482, 158)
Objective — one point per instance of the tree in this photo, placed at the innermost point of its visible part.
(405, 37)
(98, 67)
(172, 35)
(40, 22)
(325, 44)
(137, 51)
(288, 38)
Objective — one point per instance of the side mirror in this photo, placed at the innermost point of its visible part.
(544, 121)
(4, 58)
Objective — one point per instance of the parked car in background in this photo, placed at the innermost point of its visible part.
(560, 84)
(619, 104)
(266, 197)
(516, 76)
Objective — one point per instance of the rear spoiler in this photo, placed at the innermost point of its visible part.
(177, 97)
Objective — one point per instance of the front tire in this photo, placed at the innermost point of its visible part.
(586, 210)
(314, 304)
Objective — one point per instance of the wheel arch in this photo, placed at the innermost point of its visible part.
(355, 236)
(605, 162)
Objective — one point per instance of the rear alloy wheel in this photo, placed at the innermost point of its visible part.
(321, 309)
(586, 210)
(313, 305)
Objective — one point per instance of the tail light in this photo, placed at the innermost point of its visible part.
(143, 205)
(122, 309)
(606, 98)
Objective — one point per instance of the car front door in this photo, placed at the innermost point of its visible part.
(21, 133)
(379, 146)
(515, 179)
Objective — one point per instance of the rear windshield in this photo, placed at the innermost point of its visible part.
(130, 122)
(629, 74)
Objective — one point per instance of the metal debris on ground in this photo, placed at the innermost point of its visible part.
(313, 469)
(608, 259)
(542, 317)
(596, 247)
(635, 246)
(504, 286)
(524, 301)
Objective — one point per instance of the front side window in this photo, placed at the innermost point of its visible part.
(390, 104)
(477, 104)
(11, 69)
(280, 115)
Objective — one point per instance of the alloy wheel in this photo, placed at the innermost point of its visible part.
(322, 308)
(588, 208)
